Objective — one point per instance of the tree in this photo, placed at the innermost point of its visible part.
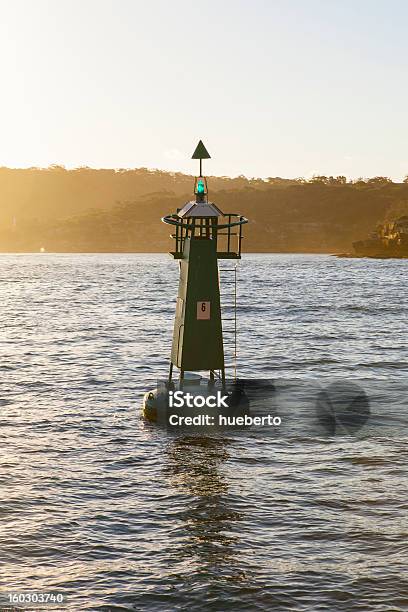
(320, 180)
(379, 180)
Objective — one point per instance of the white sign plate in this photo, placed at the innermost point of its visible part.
(203, 311)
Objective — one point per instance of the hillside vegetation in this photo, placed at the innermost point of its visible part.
(87, 210)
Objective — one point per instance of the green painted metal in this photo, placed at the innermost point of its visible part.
(201, 152)
(197, 337)
(220, 255)
(203, 234)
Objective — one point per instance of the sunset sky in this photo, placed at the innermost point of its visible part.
(274, 88)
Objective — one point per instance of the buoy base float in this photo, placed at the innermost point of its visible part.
(171, 403)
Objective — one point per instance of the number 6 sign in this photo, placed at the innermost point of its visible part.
(203, 310)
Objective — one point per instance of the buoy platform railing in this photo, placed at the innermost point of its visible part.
(228, 234)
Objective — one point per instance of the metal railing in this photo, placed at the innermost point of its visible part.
(208, 227)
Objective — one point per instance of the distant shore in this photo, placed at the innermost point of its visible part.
(355, 256)
(87, 210)
(109, 252)
(158, 252)
(344, 255)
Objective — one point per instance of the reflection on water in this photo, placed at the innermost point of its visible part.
(120, 515)
(195, 469)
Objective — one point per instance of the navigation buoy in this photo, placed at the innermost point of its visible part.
(202, 235)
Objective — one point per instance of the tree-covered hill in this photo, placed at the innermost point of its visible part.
(87, 210)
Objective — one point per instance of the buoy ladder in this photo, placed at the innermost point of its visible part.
(233, 319)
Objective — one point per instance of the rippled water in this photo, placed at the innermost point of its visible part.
(119, 514)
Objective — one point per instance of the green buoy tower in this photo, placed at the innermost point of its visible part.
(202, 235)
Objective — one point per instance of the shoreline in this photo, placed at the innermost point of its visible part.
(328, 254)
(355, 256)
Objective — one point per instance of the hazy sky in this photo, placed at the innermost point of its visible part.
(274, 88)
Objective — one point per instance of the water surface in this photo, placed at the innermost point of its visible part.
(118, 514)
